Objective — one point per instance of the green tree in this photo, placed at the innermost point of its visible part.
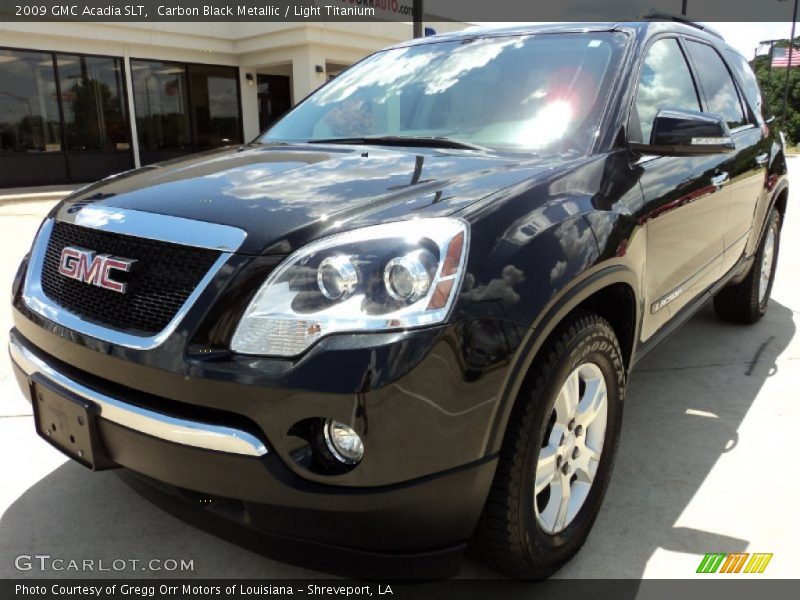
(772, 83)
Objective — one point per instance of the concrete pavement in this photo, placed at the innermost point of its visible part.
(706, 462)
(45, 193)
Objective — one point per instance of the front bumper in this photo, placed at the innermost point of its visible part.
(185, 432)
(231, 480)
(424, 401)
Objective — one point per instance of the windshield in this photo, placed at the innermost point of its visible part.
(539, 93)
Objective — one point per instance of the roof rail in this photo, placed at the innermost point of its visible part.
(664, 16)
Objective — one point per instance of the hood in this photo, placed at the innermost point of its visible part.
(282, 196)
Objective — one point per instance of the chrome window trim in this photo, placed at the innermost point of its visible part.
(173, 429)
(35, 299)
(153, 226)
(741, 128)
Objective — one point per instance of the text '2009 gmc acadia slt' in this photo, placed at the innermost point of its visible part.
(400, 322)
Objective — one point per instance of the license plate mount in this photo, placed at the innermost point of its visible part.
(68, 423)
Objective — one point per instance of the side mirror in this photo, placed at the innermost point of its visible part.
(687, 133)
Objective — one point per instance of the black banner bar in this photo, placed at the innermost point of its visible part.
(730, 588)
(389, 10)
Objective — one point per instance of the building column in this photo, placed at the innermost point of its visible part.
(305, 78)
(126, 65)
(249, 107)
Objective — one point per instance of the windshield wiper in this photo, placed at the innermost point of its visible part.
(399, 140)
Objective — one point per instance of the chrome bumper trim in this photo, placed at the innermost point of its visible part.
(36, 300)
(165, 427)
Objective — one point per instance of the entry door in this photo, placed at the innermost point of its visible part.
(274, 99)
(686, 198)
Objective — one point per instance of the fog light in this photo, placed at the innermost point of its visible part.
(337, 277)
(343, 442)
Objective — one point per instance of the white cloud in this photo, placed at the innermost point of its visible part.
(742, 36)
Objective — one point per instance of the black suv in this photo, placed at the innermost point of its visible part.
(401, 321)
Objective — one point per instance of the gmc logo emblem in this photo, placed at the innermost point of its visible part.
(92, 268)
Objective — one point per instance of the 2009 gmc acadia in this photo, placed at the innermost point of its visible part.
(401, 321)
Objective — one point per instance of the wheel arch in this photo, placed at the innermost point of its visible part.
(611, 293)
(781, 199)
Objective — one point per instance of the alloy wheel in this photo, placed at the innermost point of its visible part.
(567, 462)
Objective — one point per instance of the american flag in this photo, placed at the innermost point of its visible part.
(780, 57)
(173, 89)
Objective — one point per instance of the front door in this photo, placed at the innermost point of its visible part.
(686, 198)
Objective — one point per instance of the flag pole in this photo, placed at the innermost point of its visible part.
(771, 54)
(788, 68)
(417, 10)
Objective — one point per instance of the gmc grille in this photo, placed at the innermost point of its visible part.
(160, 282)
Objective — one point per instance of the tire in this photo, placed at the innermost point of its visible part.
(513, 536)
(746, 302)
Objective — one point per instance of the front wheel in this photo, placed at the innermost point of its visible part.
(557, 454)
(746, 302)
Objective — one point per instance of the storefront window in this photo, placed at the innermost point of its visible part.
(71, 110)
(184, 107)
(93, 100)
(29, 119)
(162, 105)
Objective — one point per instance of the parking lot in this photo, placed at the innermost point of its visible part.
(707, 461)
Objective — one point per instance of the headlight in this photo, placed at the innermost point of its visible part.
(391, 276)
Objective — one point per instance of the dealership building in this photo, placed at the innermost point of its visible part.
(80, 101)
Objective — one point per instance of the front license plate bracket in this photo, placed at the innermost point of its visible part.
(69, 423)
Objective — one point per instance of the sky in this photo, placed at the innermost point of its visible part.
(746, 36)
(742, 36)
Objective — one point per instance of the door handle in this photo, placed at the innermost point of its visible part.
(720, 180)
(762, 159)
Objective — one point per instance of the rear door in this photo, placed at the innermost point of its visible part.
(685, 197)
(746, 168)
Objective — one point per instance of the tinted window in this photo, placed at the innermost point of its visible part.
(162, 105)
(93, 98)
(185, 106)
(29, 119)
(720, 91)
(529, 93)
(215, 105)
(749, 82)
(665, 82)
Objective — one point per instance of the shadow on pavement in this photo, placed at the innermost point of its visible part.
(685, 404)
(684, 407)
